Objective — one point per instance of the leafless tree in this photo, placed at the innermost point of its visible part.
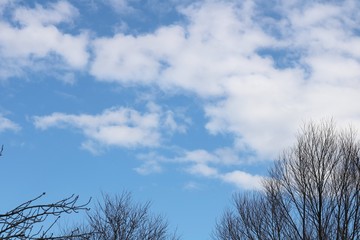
(312, 192)
(120, 218)
(31, 220)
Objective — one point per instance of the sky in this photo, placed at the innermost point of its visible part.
(183, 103)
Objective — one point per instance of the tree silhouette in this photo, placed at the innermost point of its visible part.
(120, 218)
(312, 192)
(31, 220)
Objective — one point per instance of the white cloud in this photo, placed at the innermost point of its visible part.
(149, 167)
(38, 39)
(222, 156)
(152, 163)
(243, 180)
(240, 179)
(119, 127)
(39, 42)
(127, 59)
(122, 127)
(8, 125)
(198, 156)
(209, 165)
(174, 120)
(202, 170)
(217, 54)
(198, 57)
(227, 53)
(56, 13)
(175, 126)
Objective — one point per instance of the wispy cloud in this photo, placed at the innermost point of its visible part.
(149, 167)
(209, 165)
(55, 13)
(223, 164)
(121, 6)
(114, 127)
(243, 180)
(191, 186)
(8, 125)
(118, 126)
(152, 163)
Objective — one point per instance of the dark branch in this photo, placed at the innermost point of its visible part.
(34, 221)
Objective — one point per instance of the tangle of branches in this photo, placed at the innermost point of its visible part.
(30, 220)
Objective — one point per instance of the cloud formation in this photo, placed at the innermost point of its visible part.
(208, 164)
(223, 164)
(261, 74)
(118, 126)
(7, 125)
(55, 13)
(259, 68)
(114, 127)
(120, 6)
(32, 36)
(270, 71)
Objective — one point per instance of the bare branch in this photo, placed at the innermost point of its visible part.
(30, 220)
(313, 192)
(119, 218)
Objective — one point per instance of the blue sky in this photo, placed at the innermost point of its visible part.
(180, 102)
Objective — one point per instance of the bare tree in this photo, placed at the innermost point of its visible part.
(119, 218)
(30, 220)
(312, 192)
